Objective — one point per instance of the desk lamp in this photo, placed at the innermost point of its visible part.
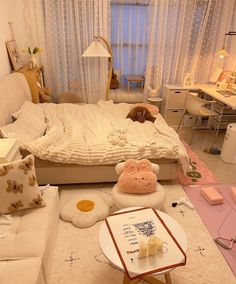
(96, 49)
(223, 53)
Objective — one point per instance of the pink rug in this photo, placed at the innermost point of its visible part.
(219, 219)
(199, 173)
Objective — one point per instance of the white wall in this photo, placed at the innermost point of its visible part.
(18, 12)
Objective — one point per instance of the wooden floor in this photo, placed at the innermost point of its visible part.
(203, 139)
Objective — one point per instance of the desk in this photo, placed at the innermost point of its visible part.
(212, 92)
(174, 99)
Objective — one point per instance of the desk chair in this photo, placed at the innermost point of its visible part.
(195, 106)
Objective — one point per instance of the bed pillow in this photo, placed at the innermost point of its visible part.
(18, 186)
(29, 125)
(153, 109)
(31, 109)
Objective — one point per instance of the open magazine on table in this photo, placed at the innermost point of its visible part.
(132, 233)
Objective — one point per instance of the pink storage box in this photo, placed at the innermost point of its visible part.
(233, 193)
(212, 195)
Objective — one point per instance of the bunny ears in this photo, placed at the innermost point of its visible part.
(132, 165)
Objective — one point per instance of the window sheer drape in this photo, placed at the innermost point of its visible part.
(69, 29)
(162, 38)
(183, 38)
(129, 36)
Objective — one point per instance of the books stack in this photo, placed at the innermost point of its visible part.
(9, 150)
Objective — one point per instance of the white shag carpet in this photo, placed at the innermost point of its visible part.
(78, 258)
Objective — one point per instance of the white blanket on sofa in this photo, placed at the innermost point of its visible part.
(82, 134)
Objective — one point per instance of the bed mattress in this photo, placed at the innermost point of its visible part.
(85, 134)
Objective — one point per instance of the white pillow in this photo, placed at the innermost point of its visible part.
(18, 186)
(29, 125)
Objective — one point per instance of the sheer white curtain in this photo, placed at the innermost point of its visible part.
(129, 35)
(69, 29)
(183, 38)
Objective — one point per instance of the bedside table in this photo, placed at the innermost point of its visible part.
(155, 101)
(9, 150)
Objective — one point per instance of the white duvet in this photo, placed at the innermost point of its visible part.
(91, 134)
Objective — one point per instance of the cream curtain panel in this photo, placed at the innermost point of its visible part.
(69, 28)
(183, 38)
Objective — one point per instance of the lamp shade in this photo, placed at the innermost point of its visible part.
(96, 49)
(222, 53)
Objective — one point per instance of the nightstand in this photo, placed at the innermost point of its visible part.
(155, 101)
(9, 150)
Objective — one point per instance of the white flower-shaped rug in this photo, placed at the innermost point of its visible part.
(85, 209)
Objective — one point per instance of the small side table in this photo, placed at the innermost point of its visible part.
(155, 101)
(9, 150)
(109, 250)
(132, 78)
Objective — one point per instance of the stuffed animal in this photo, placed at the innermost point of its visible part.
(140, 114)
(152, 92)
(44, 93)
(154, 110)
(69, 98)
(137, 176)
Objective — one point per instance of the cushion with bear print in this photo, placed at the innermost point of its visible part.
(18, 186)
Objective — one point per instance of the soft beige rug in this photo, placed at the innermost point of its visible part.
(79, 260)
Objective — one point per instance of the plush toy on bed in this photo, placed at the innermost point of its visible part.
(137, 176)
(44, 93)
(141, 114)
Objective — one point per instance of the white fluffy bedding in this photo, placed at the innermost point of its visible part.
(91, 135)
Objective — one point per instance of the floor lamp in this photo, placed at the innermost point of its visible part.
(96, 49)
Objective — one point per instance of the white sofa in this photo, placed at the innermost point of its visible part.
(26, 244)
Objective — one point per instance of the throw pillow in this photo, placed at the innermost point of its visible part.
(137, 177)
(29, 125)
(18, 186)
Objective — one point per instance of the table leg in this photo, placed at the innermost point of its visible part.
(128, 85)
(153, 280)
(167, 277)
(126, 280)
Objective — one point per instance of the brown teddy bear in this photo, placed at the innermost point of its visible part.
(44, 93)
(140, 114)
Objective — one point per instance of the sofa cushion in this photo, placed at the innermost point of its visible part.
(18, 186)
(26, 244)
(31, 233)
(27, 271)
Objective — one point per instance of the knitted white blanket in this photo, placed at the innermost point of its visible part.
(91, 135)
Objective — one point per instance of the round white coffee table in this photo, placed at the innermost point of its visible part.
(109, 250)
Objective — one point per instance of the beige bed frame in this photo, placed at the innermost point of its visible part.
(14, 90)
(58, 173)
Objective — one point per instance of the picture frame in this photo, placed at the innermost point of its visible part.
(14, 55)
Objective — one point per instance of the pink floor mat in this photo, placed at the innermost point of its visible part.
(199, 173)
(220, 220)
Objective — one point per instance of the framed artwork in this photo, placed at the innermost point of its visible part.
(14, 54)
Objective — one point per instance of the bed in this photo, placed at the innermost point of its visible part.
(76, 143)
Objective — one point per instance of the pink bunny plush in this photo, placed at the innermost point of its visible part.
(137, 177)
